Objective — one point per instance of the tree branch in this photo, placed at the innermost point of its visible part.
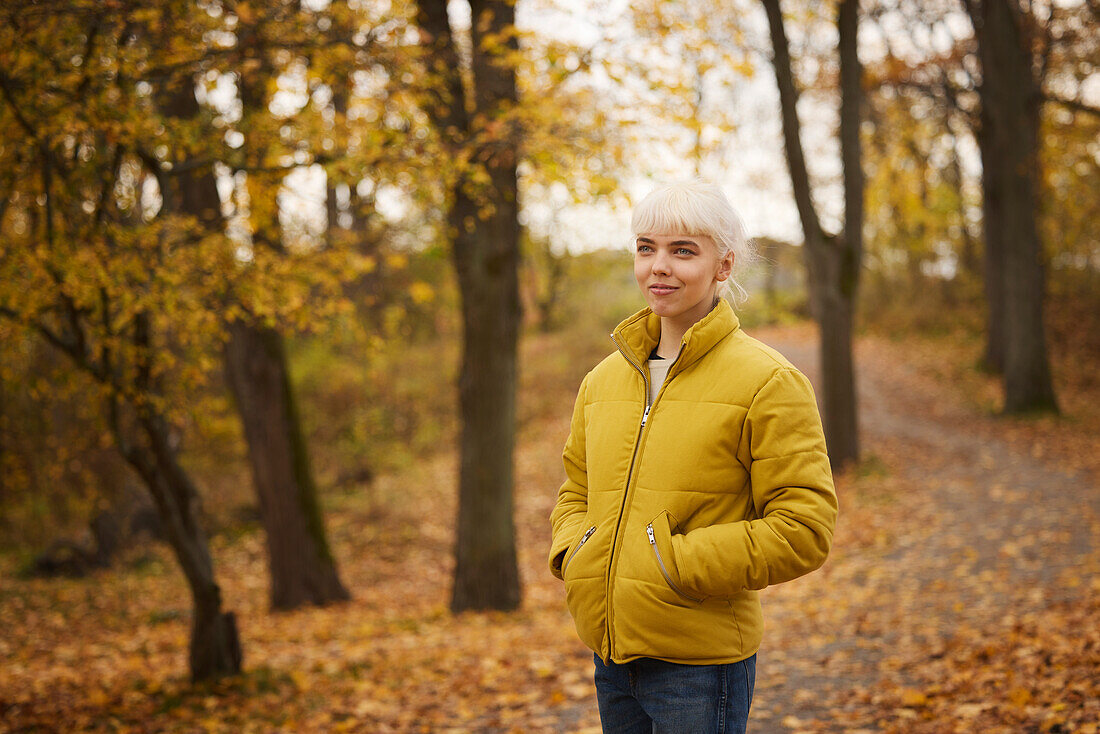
(54, 339)
(851, 97)
(9, 96)
(108, 185)
(792, 133)
(447, 106)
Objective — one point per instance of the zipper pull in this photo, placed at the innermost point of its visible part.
(645, 415)
(649, 532)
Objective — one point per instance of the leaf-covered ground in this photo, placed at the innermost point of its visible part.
(962, 594)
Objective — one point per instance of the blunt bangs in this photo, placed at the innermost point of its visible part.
(671, 211)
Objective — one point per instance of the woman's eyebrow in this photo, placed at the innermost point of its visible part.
(676, 243)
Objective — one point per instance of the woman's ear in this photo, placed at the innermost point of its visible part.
(725, 267)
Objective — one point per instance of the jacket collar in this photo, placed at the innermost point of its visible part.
(638, 335)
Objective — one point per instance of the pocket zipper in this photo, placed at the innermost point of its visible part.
(661, 563)
(584, 539)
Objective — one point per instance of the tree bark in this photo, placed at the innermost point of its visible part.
(215, 648)
(832, 261)
(993, 257)
(1009, 142)
(486, 571)
(484, 224)
(848, 249)
(301, 565)
(835, 320)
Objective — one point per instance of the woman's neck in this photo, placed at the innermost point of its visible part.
(671, 335)
(673, 330)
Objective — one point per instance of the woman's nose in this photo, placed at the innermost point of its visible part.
(660, 264)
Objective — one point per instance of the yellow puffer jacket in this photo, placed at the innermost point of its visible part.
(672, 517)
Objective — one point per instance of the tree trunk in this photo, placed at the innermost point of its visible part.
(834, 318)
(832, 262)
(487, 260)
(332, 181)
(301, 565)
(548, 299)
(215, 644)
(1011, 98)
(485, 226)
(993, 359)
(841, 411)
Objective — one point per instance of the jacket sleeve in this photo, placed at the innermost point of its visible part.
(792, 492)
(572, 503)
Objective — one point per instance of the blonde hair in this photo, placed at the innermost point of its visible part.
(698, 208)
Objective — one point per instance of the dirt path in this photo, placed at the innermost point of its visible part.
(952, 528)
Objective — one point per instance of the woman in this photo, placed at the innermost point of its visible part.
(696, 475)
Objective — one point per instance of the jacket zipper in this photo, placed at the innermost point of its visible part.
(584, 539)
(630, 469)
(661, 563)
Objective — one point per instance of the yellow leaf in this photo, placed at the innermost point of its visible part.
(421, 292)
(299, 679)
(970, 710)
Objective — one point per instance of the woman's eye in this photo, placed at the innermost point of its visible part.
(644, 248)
(684, 251)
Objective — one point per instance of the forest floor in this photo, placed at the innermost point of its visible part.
(962, 593)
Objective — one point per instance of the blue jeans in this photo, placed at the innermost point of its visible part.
(651, 696)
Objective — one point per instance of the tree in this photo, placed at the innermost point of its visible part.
(832, 260)
(300, 562)
(93, 273)
(547, 274)
(116, 253)
(690, 57)
(1009, 142)
(482, 222)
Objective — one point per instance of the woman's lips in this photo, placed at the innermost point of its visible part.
(661, 290)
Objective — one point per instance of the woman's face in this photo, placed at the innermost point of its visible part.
(679, 274)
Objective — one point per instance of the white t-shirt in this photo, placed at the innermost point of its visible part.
(658, 371)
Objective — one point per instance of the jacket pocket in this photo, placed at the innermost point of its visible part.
(661, 527)
(576, 549)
